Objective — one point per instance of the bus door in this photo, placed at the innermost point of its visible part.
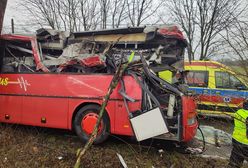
(11, 90)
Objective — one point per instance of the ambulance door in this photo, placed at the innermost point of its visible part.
(199, 82)
(230, 92)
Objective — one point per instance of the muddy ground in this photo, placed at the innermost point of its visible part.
(25, 146)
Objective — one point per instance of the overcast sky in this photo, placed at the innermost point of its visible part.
(22, 18)
(15, 10)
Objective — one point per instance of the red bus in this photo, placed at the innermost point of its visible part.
(39, 88)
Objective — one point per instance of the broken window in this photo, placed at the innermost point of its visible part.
(16, 57)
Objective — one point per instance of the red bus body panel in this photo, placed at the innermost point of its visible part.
(189, 107)
(30, 98)
(27, 98)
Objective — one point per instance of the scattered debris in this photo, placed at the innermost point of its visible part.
(213, 157)
(214, 136)
(91, 52)
(123, 163)
(193, 150)
(161, 151)
(35, 149)
(60, 157)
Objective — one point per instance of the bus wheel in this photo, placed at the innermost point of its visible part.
(85, 120)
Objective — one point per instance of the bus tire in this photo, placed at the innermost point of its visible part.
(85, 120)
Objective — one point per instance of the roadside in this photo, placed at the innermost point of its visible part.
(22, 146)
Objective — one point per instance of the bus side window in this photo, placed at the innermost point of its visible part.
(15, 58)
(197, 78)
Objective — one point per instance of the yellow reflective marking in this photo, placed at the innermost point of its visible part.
(4, 81)
(219, 104)
(221, 113)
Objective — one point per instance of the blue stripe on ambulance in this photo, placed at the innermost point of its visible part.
(220, 92)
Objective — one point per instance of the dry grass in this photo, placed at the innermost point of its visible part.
(22, 146)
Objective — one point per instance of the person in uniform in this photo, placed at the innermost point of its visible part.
(240, 138)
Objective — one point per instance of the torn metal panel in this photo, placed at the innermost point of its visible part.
(155, 127)
(73, 50)
(52, 39)
(129, 30)
(74, 54)
(137, 37)
(141, 34)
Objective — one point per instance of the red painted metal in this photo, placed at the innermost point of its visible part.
(28, 98)
(92, 61)
(57, 97)
(219, 99)
(88, 123)
(189, 112)
(171, 31)
(35, 48)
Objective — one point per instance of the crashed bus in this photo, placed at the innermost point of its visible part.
(58, 79)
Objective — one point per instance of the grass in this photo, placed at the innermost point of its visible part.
(23, 146)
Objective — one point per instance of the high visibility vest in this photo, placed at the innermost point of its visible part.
(166, 75)
(240, 126)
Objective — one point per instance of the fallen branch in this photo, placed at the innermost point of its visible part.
(118, 75)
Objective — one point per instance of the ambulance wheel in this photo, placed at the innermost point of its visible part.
(85, 120)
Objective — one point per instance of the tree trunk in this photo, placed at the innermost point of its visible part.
(118, 75)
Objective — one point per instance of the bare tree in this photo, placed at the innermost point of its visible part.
(236, 38)
(57, 14)
(43, 11)
(118, 12)
(184, 12)
(104, 9)
(140, 10)
(214, 17)
(77, 15)
(90, 14)
(206, 19)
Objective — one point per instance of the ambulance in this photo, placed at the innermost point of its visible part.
(220, 91)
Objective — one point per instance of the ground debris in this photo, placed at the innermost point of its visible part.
(214, 136)
(24, 138)
(123, 163)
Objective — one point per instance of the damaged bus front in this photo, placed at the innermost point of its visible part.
(59, 79)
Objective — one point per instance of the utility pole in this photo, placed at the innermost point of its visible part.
(12, 26)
